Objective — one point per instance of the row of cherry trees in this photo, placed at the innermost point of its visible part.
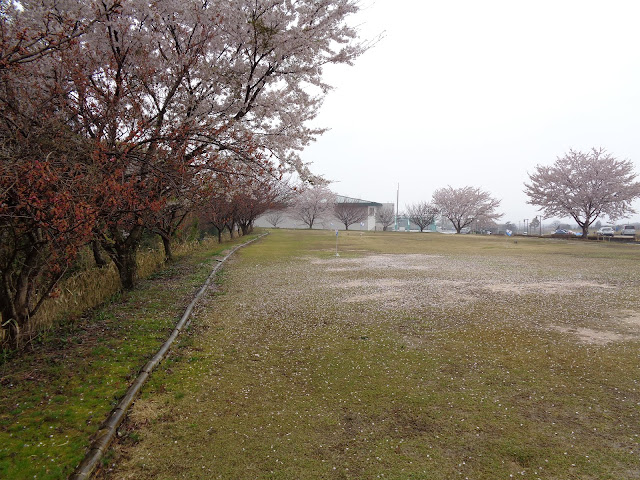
(585, 186)
(118, 118)
(461, 206)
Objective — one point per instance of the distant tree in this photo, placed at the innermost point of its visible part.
(349, 211)
(385, 216)
(584, 186)
(274, 217)
(510, 226)
(484, 225)
(282, 195)
(217, 212)
(422, 214)
(312, 204)
(462, 206)
(535, 223)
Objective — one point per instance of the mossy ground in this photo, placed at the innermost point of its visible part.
(408, 356)
(54, 397)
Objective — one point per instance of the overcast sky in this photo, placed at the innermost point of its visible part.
(468, 92)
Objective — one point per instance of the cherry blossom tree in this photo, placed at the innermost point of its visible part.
(31, 30)
(46, 215)
(385, 216)
(312, 204)
(47, 209)
(283, 197)
(153, 94)
(275, 217)
(462, 206)
(349, 211)
(422, 214)
(255, 196)
(214, 83)
(584, 186)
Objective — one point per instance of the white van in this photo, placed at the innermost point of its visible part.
(628, 230)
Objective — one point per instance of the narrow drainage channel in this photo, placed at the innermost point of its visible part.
(108, 429)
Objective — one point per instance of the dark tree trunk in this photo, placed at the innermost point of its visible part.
(246, 228)
(97, 254)
(585, 232)
(231, 226)
(123, 251)
(11, 320)
(168, 252)
(127, 268)
(19, 300)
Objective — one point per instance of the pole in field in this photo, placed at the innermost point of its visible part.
(397, 200)
(337, 254)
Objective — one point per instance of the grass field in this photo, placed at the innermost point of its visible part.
(409, 356)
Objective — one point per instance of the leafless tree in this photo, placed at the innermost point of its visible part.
(274, 217)
(584, 186)
(462, 206)
(349, 211)
(422, 214)
(385, 216)
(312, 204)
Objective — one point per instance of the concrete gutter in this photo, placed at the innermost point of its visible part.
(108, 429)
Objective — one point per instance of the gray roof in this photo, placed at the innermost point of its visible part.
(356, 201)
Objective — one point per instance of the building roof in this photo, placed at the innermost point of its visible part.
(356, 201)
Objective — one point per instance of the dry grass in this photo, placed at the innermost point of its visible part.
(409, 356)
(91, 286)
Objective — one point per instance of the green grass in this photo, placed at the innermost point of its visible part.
(55, 397)
(305, 366)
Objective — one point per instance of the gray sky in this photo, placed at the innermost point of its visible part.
(467, 92)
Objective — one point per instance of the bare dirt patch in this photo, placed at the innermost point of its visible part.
(630, 317)
(415, 281)
(595, 337)
(559, 287)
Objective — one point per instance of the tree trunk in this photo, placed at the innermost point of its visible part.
(168, 253)
(123, 251)
(12, 321)
(127, 268)
(585, 232)
(97, 254)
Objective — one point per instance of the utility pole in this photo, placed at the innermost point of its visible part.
(397, 200)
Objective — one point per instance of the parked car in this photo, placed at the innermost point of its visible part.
(605, 231)
(629, 230)
(561, 231)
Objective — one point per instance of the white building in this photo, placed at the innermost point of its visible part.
(364, 210)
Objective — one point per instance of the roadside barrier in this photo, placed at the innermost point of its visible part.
(108, 429)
